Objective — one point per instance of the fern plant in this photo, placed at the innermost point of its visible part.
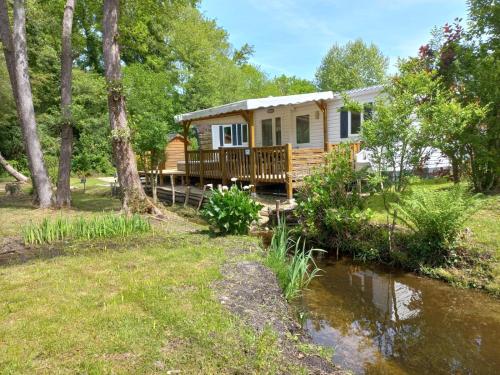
(436, 219)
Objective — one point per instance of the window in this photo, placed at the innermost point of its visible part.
(227, 136)
(368, 111)
(245, 132)
(355, 122)
(267, 132)
(277, 124)
(302, 127)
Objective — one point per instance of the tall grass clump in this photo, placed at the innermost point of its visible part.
(293, 264)
(436, 220)
(50, 231)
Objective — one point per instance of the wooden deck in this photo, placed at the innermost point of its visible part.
(256, 165)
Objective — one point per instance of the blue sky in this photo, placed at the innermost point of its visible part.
(292, 36)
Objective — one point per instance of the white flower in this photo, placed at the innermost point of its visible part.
(234, 179)
(225, 188)
(246, 187)
(250, 186)
(210, 186)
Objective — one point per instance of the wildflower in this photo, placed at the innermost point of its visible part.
(225, 188)
(250, 186)
(234, 179)
(210, 186)
(246, 187)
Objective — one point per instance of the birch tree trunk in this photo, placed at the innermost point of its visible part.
(63, 194)
(133, 196)
(16, 57)
(11, 170)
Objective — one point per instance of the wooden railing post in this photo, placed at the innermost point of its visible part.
(202, 169)
(253, 172)
(186, 125)
(222, 161)
(288, 172)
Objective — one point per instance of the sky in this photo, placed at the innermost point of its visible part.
(292, 36)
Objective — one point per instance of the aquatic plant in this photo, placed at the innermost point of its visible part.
(293, 264)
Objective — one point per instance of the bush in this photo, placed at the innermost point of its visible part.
(294, 271)
(330, 208)
(436, 219)
(49, 231)
(231, 211)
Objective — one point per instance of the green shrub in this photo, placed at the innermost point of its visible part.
(231, 211)
(436, 219)
(330, 208)
(293, 264)
(49, 231)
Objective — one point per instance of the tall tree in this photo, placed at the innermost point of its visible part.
(351, 66)
(16, 57)
(63, 194)
(133, 196)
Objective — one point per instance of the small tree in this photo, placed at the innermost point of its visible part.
(447, 121)
(397, 142)
(150, 98)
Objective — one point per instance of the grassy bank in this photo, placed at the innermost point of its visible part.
(482, 240)
(142, 304)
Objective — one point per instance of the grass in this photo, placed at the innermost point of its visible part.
(105, 226)
(484, 238)
(142, 305)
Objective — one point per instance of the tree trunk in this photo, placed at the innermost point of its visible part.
(63, 194)
(11, 170)
(133, 196)
(15, 44)
(455, 170)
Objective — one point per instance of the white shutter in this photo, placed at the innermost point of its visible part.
(215, 137)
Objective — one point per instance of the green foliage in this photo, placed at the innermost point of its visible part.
(329, 205)
(295, 270)
(467, 61)
(49, 231)
(231, 211)
(351, 66)
(436, 219)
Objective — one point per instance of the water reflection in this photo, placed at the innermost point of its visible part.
(381, 322)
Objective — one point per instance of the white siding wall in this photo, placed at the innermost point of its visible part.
(334, 118)
(288, 127)
(288, 134)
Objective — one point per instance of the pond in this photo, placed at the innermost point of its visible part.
(381, 321)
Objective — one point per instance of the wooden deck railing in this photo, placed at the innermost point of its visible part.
(274, 164)
(258, 164)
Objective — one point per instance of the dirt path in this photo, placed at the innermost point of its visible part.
(250, 290)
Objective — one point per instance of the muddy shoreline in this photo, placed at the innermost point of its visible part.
(251, 291)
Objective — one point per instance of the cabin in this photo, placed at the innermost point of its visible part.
(174, 152)
(273, 140)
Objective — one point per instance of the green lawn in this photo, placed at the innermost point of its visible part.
(137, 305)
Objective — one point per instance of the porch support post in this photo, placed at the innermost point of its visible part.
(288, 172)
(186, 125)
(322, 105)
(248, 116)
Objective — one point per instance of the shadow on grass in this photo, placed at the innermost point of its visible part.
(14, 252)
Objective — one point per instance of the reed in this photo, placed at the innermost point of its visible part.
(50, 231)
(293, 264)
